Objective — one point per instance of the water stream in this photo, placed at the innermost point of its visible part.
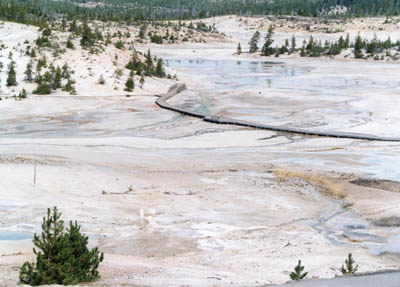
(272, 92)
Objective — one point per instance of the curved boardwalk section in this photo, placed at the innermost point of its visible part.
(177, 88)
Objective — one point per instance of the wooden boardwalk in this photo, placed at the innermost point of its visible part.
(177, 88)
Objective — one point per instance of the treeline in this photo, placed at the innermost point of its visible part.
(40, 11)
(361, 48)
(207, 8)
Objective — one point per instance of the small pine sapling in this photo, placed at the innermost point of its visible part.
(350, 268)
(298, 273)
(239, 49)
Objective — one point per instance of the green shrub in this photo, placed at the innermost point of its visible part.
(130, 84)
(43, 88)
(22, 94)
(119, 45)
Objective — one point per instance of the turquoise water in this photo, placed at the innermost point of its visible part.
(12, 235)
(221, 77)
(230, 74)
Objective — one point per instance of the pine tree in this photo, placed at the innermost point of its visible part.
(141, 81)
(130, 84)
(84, 262)
(28, 72)
(101, 80)
(63, 24)
(293, 44)
(57, 78)
(303, 49)
(253, 44)
(64, 257)
(267, 50)
(87, 39)
(12, 76)
(159, 69)
(66, 74)
(341, 43)
(69, 86)
(142, 31)
(43, 88)
(73, 27)
(22, 94)
(298, 273)
(149, 64)
(350, 269)
(70, 45)
(347, 41)
(239, 49)
(357, 48)
(310, 44)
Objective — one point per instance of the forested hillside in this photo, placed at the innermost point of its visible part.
(36, 11)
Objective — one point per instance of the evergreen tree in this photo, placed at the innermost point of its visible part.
(118, 73)
(101, 80)
(48, 77)
(298, 273)
(253, 44)
(159, 69)
(66, 74)
(70, 45)
(63, 24)
(64, 257)
(347, 41)
(357, 48)
(149, 64)
(87, 39)
(267, 50)
(293, 44)
(43, 88)
(73, 27)
(239, 49)
(22, 94)
(28, 72)
(310, 44)
(141, 81)
(142, 31)
(341, 43)
(12, 76)
(349, 269)
(69, 87)
(57, 79)
(130, 84)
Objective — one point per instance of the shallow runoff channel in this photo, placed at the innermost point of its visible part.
(284, 96)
